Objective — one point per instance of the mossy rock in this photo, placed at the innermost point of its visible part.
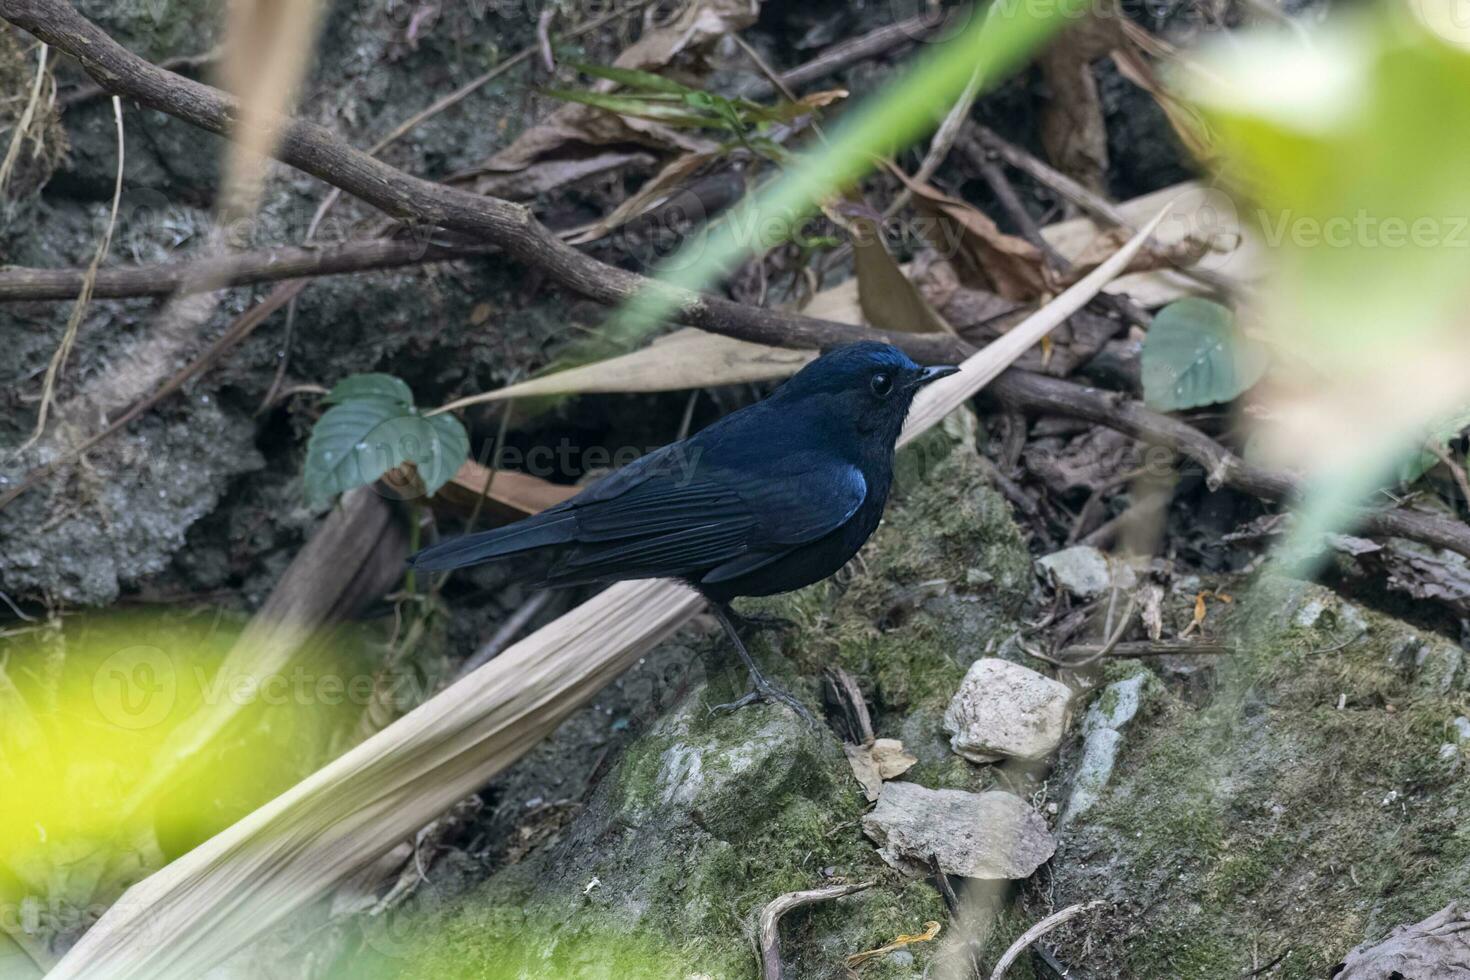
(1307, 805)
(664, 872)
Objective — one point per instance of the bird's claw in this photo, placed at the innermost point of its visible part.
(763, 690)
(757, 622)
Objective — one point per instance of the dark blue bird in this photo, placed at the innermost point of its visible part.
(768, 499)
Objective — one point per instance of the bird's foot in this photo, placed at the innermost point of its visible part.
(756, 622)
(763, 690)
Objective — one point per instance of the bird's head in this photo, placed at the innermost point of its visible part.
(868, 384)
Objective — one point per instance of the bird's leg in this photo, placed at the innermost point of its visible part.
(757, 621)
(761, 689)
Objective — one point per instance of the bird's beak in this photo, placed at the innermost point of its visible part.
(929, 374)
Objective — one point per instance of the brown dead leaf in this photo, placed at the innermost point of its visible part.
(1188, 124)
(888, 299)
(878, 761)
(984, 256)
(1071, 125)
(512, 495)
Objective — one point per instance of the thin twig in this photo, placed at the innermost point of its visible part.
(770, 921)
(1097, 207)
(1041, 928)
(84, 296)
(23, 124)
(1142, 648)
(507, 633)
(847, 53)
(1112, 641)
(1456, 470)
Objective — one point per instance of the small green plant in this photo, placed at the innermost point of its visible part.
(646, 95)
(373, 427)
(1196, 355)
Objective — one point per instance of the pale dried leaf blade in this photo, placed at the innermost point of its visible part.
(685, 358)
(266, 55)
(944, 396)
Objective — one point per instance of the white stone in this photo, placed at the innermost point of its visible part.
(1101, 733)
(993, 835)
(1086, 572)
(1004, 710)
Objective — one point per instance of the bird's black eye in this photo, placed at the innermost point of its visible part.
(882, 384)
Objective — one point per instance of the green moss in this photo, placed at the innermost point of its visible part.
(1269, 818)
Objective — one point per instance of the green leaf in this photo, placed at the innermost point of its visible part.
(1195, 355)
(645, 81)
(451, 447)
(383, 386)
(356, 442)
(639, 107)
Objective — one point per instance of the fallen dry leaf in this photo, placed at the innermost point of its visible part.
(686, 358)
(889, 300)
(931, 930)
(880, 760)
(1071, 125)
(984, 256)
(1197, 624)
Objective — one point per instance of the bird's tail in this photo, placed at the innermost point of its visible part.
(540, 531)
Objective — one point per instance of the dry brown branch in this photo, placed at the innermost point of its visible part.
(770, 921)
(18, 283)
(1030, 936)
(512, 495)
(847, 53)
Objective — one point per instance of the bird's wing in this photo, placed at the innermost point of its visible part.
(666, 520)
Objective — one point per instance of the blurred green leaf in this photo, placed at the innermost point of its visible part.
(641, 107)
(1195, 355)
(1346, 146)
(373, 428)
(643, 81)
